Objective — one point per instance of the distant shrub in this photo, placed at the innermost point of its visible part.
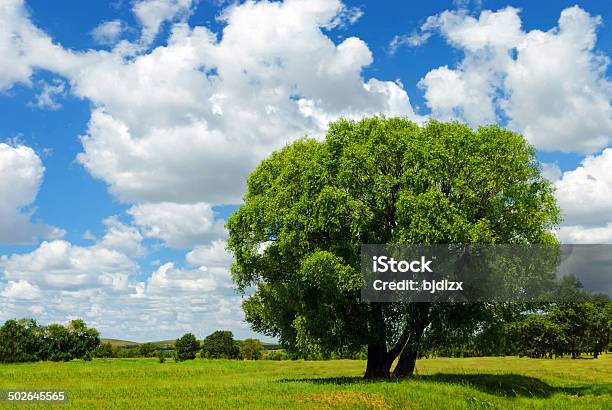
(104, 350)
(186, 347)
(251, 349)
(276, 355)
(161, 356)
(147, 350)
(220, 345)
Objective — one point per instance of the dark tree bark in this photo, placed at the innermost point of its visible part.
(406, 363)
(380, 359)
(377, 366)
(407, 360)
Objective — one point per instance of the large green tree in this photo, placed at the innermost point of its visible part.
(310, 206)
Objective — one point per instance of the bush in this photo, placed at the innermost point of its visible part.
(25, 341)
(220, 345)
(161, 355)
(186, 347)
(104, 350)
(276, 355)
(147, 350)
(251, 349)
(20, 341)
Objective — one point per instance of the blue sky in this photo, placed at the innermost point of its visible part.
(129, 126)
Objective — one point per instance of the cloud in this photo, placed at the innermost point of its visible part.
(21, 290)
(205, 108)
(100, 285)
(585, 198)
(551, 86)
(585, 194)
(152, 13)
(213, 254)
(178, 225)
(559, 96)
(586, 235)
(345, 17)
(108, 32)
(24, 48)
(61, 265)
(121, 237)
(411, 40)
(22, 173)
(167, 279)
(552, 172)
(46, 97)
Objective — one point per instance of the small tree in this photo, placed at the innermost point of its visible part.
(104, 350)
(537, 336)
(251, 349)
(186, 347)
(147, 350)
(83, 339)
(220, 345)
(58, 344)
(20, 341)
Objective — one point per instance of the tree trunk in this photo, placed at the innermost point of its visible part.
(406, 363)
(407, 359)
(378, 366)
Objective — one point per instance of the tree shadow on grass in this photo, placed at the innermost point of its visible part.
(506, 385)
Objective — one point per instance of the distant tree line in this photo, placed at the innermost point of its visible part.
(218, 345)
(25, 340)
(539, 331)
(570, 328)
(542, 331)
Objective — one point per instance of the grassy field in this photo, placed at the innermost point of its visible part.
(440, 383)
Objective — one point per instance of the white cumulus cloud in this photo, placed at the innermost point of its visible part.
(108, 32)
(22, 173)
(178, 225)
(550, 85)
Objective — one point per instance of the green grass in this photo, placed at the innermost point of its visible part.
(515, 383)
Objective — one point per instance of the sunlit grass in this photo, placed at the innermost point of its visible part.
(508, 382)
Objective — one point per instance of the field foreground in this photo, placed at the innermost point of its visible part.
(508, 382)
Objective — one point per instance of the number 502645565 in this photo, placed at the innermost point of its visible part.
(38, 396)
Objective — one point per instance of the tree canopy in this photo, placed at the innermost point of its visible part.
(186, 347)
(310, 206)
(220, 345)
(24, 340)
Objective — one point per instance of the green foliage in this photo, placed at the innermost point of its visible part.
(20, 341)
(147, 350)
(83, 339)
(567, 328)
(104, 350)
(251, 349)
(536, 336)
(310, 206)
(186, 347)
(220, 345)
(25, 341)
(161, 356)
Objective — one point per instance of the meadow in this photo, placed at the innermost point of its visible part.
(449, 383)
